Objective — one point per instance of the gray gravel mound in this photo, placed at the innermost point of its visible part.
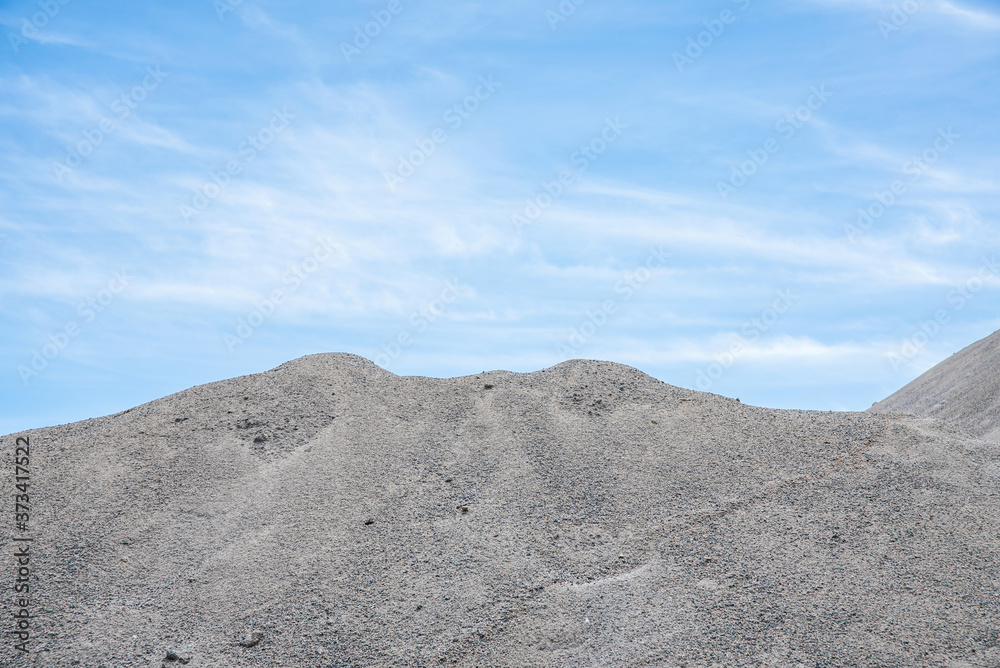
(329, 513)
(963, 391)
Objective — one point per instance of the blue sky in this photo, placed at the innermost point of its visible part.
(792, 203)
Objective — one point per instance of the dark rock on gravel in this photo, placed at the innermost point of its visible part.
(252, 639)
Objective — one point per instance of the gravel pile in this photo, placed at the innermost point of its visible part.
(963, 391)
(329, 513)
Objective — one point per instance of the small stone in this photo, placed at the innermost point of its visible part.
(252, 638)
(174, 656)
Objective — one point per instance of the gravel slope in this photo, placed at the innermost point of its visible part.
(584, 515)
(963, 390)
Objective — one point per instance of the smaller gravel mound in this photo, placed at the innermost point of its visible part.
(963, 391)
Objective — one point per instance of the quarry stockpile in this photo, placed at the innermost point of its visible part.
(330, 513)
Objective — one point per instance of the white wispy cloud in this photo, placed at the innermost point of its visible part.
(776, 351)
(977, 18)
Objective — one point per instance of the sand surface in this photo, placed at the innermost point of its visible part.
(584, 515)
